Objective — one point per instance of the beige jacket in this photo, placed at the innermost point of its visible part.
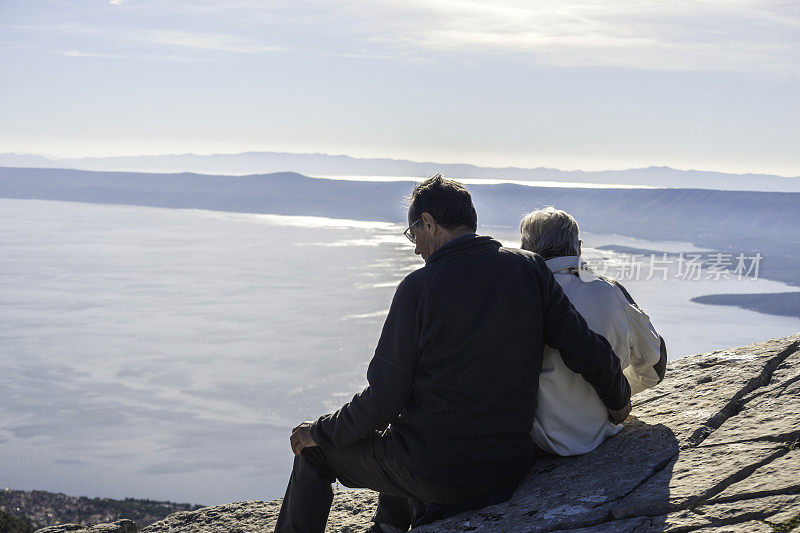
(570, 417)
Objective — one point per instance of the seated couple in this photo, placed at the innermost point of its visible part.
(483, 358)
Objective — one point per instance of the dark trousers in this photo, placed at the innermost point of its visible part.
(366, 464)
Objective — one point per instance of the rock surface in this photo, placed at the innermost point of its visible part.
(712, 448)
(120, 526)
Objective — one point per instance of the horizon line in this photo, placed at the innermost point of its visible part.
(55, 158)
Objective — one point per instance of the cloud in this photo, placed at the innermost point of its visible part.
(202, 41)
(187, 40)
(78, 53)
(678, 35)
(116, 2)
(147, 57)
(9, 45)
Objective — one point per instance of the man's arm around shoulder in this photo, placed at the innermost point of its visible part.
(648, 349)
(582, 350)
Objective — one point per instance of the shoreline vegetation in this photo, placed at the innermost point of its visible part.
(38, 509)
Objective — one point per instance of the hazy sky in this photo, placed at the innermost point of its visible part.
(708, 84)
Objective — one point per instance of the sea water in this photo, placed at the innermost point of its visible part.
(166, 354)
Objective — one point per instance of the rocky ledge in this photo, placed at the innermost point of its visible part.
(714, 447)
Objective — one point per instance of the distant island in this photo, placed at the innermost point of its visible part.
(776, 303)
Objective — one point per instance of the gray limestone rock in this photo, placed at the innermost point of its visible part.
(351, 511)
(695, 475)
(241, 517)
(120, 526)
(732, 515)
(767, 413)
(712, 448)
(781, 476)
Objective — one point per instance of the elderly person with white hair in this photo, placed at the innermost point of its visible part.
(570, 417)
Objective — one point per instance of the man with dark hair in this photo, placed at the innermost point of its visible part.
(451, 398)
(446, 200)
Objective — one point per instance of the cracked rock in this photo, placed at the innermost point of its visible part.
(767, 413)
(696, 474)
(779, 476)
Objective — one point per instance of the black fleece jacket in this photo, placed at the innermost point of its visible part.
(457, 365)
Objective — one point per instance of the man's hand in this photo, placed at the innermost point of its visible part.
(618, 416)
(301, 438)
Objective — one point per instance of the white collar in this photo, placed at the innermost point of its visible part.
(563, 263)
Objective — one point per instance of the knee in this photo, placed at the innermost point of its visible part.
(312, 459)
(312, 454)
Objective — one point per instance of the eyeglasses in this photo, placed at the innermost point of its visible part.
(409, 235)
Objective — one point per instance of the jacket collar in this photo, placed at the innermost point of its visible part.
(462, 245)
(563, 264)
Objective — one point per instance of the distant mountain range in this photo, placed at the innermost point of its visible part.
(728, 221)
(343, 165)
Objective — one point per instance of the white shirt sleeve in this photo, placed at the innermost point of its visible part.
(645, 345)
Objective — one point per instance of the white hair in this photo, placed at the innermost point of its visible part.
(550, 232)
